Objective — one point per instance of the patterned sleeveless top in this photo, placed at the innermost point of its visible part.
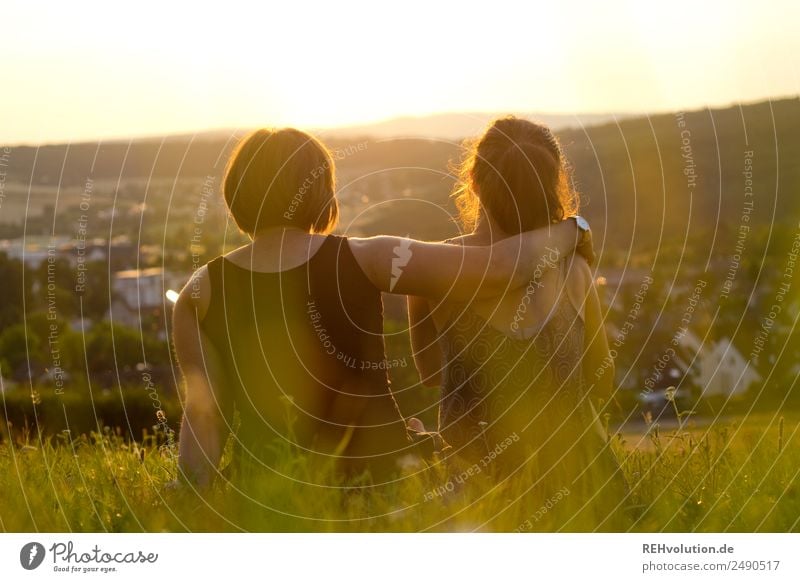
(515, 402)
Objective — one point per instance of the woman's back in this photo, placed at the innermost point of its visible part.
(513, 368)
(514, 395)
(303, 356)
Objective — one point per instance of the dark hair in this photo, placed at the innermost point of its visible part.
(281, 177)
(516, 171)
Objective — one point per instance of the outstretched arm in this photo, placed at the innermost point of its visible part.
(435, 270)
(203, 429)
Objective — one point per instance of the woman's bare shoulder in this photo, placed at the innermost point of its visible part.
(197, 292)
(579, 268)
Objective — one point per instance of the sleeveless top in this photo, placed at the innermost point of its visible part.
(514, 403)
(304, 359)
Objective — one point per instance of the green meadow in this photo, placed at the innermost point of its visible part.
(737, 475)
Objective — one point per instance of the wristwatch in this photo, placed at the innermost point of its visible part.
(584, 245)
(583, 226)
(582, 223)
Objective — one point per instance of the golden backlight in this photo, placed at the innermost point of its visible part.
(80, 71)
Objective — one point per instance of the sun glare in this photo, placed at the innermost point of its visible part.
(164, 69)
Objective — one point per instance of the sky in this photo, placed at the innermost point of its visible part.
(72, 71)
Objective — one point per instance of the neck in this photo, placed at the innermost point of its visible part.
(488, 229)
(279, 232)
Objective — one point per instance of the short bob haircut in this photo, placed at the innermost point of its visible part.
(281, 178)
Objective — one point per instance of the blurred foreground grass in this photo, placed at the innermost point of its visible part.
(740, 475)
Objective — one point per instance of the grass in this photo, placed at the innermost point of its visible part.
(737, 476)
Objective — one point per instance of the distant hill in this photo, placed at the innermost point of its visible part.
(192, 155)
(459, 125)
(633, 174)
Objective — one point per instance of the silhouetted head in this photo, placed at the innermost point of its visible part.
(517, 174)
(281, 178)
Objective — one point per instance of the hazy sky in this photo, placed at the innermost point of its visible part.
(80, 70)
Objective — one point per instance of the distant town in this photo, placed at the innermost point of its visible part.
(696, 278)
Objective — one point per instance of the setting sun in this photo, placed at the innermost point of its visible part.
(159, 68)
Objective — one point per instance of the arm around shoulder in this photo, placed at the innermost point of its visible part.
(435, 270)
